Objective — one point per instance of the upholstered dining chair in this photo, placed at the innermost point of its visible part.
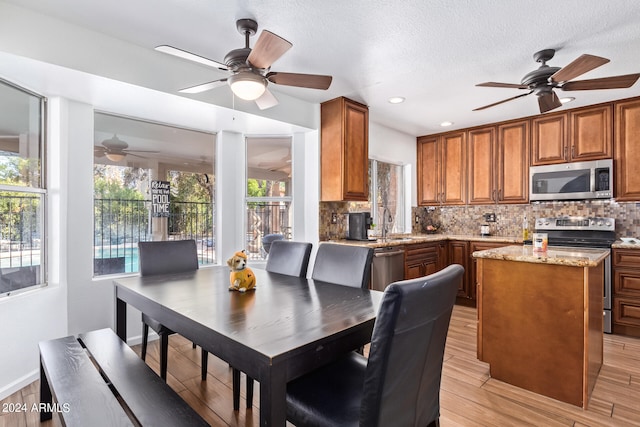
(285, 257)
(399, 384)
(289, 257)
(346, 265)
(166, 257)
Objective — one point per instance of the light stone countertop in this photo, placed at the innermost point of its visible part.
(574, 257)
(619, 244)
(409, 239)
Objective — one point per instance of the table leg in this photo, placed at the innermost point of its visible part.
(121, 319)
(273, 398)
(45, 395)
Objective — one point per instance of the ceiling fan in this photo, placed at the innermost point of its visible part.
(543, 80)
(250, 68)
(116, 149)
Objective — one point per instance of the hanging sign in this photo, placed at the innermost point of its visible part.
(160, 198)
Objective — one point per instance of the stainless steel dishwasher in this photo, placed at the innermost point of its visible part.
(388, 267)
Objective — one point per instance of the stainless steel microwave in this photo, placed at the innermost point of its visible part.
(572, 181)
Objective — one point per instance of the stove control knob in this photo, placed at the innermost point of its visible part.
(600, 223)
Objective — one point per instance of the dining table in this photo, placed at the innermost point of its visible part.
(285, 328)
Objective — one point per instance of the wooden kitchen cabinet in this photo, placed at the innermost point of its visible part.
(441, 169)
(344, 151)
(473, 262)
(421, 259)
(626, 292)
(579, 135)
(548, 139)
(459, 254)
(627, 151)
(498, 164)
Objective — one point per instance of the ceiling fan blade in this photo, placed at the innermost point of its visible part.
(267, 100)
(312, 81)
(578, 67)
(268, 49)
(548, 102)
(503, 101)
(506, 85)
(203, 87)
(615, 82)
(139, 151)
(190, 56)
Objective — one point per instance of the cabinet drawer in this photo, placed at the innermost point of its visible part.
(626, 282)
(626, 258)
(626, 311)
(420, 252)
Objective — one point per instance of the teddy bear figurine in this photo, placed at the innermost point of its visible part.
(241, 277)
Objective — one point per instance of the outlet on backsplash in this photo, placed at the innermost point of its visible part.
(490, 217)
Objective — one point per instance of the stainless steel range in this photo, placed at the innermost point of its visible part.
(584, 232)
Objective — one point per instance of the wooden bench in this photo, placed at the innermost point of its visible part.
(97, 380)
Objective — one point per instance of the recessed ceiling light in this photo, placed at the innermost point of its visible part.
(567, 99)
(396, 100)
(445, 124)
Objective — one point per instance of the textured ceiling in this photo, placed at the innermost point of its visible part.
(432, 52)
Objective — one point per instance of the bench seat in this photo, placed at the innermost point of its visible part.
(91, 396)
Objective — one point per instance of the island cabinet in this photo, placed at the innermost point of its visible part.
(579, 135)
(627, 150)
(537, 331)
(421, 259)
(499, 163)
(626, 292)
(441, 169)
(344, 151)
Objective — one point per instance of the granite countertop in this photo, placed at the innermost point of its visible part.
(619, 244)
(408, 239)
(573, 257)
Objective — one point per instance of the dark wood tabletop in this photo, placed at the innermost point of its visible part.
(286, 327)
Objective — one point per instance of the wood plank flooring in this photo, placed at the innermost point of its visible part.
(468, 396)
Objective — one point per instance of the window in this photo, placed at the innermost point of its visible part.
(268, 202)
(22, 189)
(129, 156)
(387, 189)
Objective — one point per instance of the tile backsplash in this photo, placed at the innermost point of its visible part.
(467, 219)
(509, 218)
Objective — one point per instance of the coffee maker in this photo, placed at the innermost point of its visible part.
(357, 226)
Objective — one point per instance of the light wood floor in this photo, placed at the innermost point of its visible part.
(468, 397)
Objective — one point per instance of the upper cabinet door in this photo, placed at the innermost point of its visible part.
(427, 170)
(549, 134)
(513, 162)
(482, 166)
(344, 151)
(627, 152)
(454, 166)
(356, 152)
(591, 134)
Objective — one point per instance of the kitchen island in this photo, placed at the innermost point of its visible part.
(540, 321)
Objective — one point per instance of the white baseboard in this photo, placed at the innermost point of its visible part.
(18, 384)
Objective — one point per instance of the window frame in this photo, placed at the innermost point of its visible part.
(41, 190)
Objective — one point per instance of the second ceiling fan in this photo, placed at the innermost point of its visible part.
(250, 68)
(543, 80)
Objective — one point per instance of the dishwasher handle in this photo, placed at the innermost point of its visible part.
(388, 253)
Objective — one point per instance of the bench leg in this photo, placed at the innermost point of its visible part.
(45, 395)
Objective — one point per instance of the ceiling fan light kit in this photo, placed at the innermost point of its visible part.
(543, 80)
(250, 68)
(115, 157)
(247, 85)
